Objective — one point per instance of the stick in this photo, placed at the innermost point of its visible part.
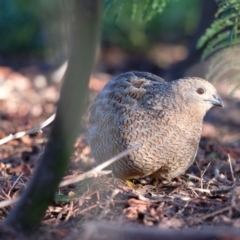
(231, 169)
(27, 132)
(96, 170)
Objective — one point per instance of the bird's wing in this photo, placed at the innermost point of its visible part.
(146, 75)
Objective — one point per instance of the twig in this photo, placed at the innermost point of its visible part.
(193, 177)
(221, 191)
(147, 200)
(201, 190)
(27, 132)
(14, 184)
(214, 191)
(70, 212)
(231, 169)
(213, 214)
(88, 208)
(202, 173)
(194, 191)
(108, 202)
(183, 198)
(8, 202)
(219, 179)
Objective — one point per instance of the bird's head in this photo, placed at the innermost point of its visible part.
(197, 92)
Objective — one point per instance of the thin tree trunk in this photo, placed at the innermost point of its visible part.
(29, 211)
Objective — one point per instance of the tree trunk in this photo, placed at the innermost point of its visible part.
(31, 208)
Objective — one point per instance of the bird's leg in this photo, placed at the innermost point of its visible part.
(130, 183)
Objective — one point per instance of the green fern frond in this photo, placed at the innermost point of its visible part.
(108, 4)
(214, 29)
(226, 7)
(141, 10)
(120, 9)
(224, 31)
(146, 9)
(217, 44)
(134, 9)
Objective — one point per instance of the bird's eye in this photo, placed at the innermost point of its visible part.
(200, 91)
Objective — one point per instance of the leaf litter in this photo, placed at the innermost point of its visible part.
(207, 195)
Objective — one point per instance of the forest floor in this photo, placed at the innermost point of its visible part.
(207, 195)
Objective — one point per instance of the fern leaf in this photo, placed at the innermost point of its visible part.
(224, 31)
(215, 28)
(145, 9)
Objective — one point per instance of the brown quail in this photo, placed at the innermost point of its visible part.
(164, 118)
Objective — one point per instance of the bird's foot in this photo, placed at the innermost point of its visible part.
(132, 184)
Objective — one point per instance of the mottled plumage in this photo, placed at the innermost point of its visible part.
(165, 118)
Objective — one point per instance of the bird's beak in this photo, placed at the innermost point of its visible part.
(216, 100)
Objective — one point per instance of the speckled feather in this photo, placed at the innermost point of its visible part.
(165, 118)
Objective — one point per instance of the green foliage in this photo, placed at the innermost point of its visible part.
(39, 30)
(224, 31)
(141, 10)
(19, 28)
(132, 33)
(222, 39)
(34, 29)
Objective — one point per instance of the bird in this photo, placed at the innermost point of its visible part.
(164, 118)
